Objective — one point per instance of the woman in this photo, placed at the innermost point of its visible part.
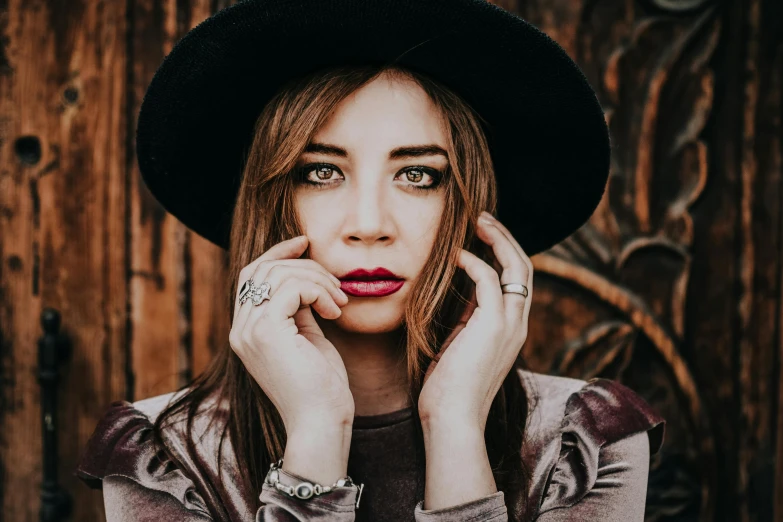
(372, 370)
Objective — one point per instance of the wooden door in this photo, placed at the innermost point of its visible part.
(673, 287)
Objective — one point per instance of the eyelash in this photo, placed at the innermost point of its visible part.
(300, 175)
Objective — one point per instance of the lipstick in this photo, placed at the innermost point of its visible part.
(377, 282)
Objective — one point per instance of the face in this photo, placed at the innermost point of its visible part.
(369, 196)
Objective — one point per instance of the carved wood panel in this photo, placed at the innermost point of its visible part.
(673, 287)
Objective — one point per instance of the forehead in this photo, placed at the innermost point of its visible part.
(384, 113)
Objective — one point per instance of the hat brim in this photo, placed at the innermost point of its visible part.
(546, 129)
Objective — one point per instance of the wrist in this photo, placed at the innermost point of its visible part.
(450, 419)
(451, 429)
(457, 465)
(318, 451)
(312, 422)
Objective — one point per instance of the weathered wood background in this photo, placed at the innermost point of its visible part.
(674, 287)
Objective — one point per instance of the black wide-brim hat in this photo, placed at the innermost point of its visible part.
(546, 129)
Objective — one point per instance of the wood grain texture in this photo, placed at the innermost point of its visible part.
(158, 241)
(63, 229)
(674, 286)
(178, 279)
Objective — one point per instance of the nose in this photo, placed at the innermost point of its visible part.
(369, 220)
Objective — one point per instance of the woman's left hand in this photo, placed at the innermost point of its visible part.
(463, 379)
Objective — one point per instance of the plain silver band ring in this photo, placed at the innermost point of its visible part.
(514, 288)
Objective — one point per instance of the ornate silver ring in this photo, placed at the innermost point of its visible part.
(257, 294)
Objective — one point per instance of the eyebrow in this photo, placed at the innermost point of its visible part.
(407, 151)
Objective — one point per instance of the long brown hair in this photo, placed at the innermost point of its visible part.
(265, 215)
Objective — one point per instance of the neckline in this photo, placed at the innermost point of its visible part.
(382, 420)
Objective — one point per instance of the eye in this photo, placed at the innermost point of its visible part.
(323, 175)
(317, 174)
(421, 177)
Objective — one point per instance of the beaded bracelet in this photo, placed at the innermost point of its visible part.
(305, 489)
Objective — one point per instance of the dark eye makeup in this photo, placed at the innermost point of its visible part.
(326, 172)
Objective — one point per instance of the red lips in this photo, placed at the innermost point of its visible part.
(377, 282)
(361, 274)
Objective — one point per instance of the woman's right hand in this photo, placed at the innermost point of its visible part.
(281, 345)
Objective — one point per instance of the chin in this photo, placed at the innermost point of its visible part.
(370, 318)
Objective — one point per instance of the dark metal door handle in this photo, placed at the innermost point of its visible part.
(53, 350)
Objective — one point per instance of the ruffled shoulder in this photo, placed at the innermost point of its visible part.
(122, 445)
(608, 411)
(602, 412)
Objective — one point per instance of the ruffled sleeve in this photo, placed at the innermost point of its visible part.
(121, 456)
(140, 482)
(603, 447)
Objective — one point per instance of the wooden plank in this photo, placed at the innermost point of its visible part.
(159, 242)
(178, 286)
(210, 313)
(770, 154)
(760, 257)
(752, 418)
(63, 231)
(20, 160)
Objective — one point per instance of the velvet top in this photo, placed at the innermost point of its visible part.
(588, 445)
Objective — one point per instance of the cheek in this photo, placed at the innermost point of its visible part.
(311, 212)
(422, 224)
(308, 211)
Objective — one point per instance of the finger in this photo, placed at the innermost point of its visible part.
(302, 263)
(488, 295)
(527, 261)
(291, 297)
(278, 273)
(290, 248)
(258, 275)
(500, 226)
(296, 293)
(287, 249)
(507, 251)
(306, 322)
(514, 269)
(294, 249)
(244, 311)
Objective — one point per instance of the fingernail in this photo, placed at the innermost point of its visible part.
(484, 219)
